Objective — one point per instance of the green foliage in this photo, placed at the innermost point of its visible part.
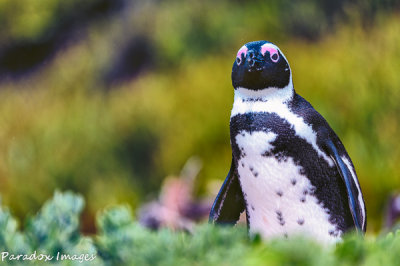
(122, 241)
(56, 227)
(36, 20)
(10, 239)
(54, 231)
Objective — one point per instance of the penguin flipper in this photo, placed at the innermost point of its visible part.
(229, 202)
(352, 187)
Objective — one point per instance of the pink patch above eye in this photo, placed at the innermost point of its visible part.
(267, 47)
(241, 51)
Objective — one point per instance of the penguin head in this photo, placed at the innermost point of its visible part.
(260, 65)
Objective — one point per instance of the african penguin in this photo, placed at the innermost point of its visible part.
(290, 172)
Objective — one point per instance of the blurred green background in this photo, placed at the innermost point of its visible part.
(108, 97)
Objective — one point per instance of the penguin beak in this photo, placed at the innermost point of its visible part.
(255, 61)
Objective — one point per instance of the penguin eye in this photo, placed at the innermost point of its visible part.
(274, 57)
(273, 51)
(242, 52)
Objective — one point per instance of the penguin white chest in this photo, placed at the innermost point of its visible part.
(280, 199)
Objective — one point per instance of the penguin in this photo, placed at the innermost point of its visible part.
(290, 172)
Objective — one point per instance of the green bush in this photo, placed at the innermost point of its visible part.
(120, 240)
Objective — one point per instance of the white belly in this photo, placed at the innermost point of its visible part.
(280, 200)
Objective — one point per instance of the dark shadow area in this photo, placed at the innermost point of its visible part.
(21, 57)
(135, 56)
(137, 152)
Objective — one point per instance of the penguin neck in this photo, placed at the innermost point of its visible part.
(271, 94)
(265, 100)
